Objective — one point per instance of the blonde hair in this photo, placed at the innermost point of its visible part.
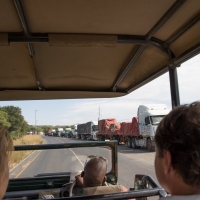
(6, 147)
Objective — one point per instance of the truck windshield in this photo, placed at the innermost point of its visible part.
(95, 127)
(155, 120)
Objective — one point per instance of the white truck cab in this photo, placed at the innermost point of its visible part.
(74, 131)
(149, 116)
(94, 128)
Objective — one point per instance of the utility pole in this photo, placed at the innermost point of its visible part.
(35, 122)
(99, 113)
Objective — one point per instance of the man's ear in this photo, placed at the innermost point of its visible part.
(167, 162)
(82, 173)
(104, 179)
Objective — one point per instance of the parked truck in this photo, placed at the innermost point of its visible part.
(47, 132)
(139, 132)
(74, 131)
(58, 132)
(87, 130)
(106, 126)
(80, 131)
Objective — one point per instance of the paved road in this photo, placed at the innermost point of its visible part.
(131, 161)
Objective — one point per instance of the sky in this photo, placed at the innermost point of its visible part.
(70, 112)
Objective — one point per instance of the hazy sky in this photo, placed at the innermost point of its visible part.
(68, 112)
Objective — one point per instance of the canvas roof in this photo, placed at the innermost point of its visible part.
(62, 49)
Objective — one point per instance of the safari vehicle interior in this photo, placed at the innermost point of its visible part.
(71, 49)
(62, 184)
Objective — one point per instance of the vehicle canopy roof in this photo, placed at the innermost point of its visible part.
(55, 49)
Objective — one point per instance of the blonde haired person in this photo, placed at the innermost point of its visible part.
(6, 147)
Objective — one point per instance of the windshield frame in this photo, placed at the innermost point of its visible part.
(112, 145)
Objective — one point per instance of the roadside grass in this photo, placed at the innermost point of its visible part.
(18, 156)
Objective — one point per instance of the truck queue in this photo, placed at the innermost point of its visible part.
(136, 133)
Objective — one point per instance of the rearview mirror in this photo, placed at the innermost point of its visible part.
(141, 182)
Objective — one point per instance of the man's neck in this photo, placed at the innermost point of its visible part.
(181, 188)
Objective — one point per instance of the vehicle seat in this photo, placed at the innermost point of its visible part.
(102, 190)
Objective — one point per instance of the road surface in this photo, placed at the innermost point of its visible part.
(130, 161)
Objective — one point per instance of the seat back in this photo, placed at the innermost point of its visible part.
(102, 190)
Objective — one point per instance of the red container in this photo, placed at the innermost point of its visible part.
(135, 127)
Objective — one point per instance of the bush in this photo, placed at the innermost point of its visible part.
(18, 156)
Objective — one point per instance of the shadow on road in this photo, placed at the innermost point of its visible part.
(78, 140)
(122, 148)
(125, 150)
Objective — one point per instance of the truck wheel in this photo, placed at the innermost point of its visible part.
(99, 138)
(83, 137)
(129, 145)
(149, 145)
(134, 146)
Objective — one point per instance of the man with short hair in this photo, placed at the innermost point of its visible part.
(94, 172)
(177, 159)
(6, 147)
(94, 176)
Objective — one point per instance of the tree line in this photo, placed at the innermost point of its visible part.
(11, 117)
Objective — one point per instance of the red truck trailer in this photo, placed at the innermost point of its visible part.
(123, 132)
(112, 130)
(47, 132)
(107, 129)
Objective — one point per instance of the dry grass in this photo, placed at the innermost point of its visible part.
(18, 156)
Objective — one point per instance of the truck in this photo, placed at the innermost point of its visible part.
(87, 130)
(57, 133)
(74, 131)
(144, 126)
(80, 131)
(139, 132)
(47, 132)
(91, 130)
(106, 128)
(60, 129)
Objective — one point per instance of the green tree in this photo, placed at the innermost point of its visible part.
(18, 126)
(47, 127)
(39, 129)
(14, 117)
(24, 127)
(4, 119)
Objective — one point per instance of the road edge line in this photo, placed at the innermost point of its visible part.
(22, 161)
(44, 142)
(27, 165)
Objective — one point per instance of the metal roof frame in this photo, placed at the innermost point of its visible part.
(141, 40)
